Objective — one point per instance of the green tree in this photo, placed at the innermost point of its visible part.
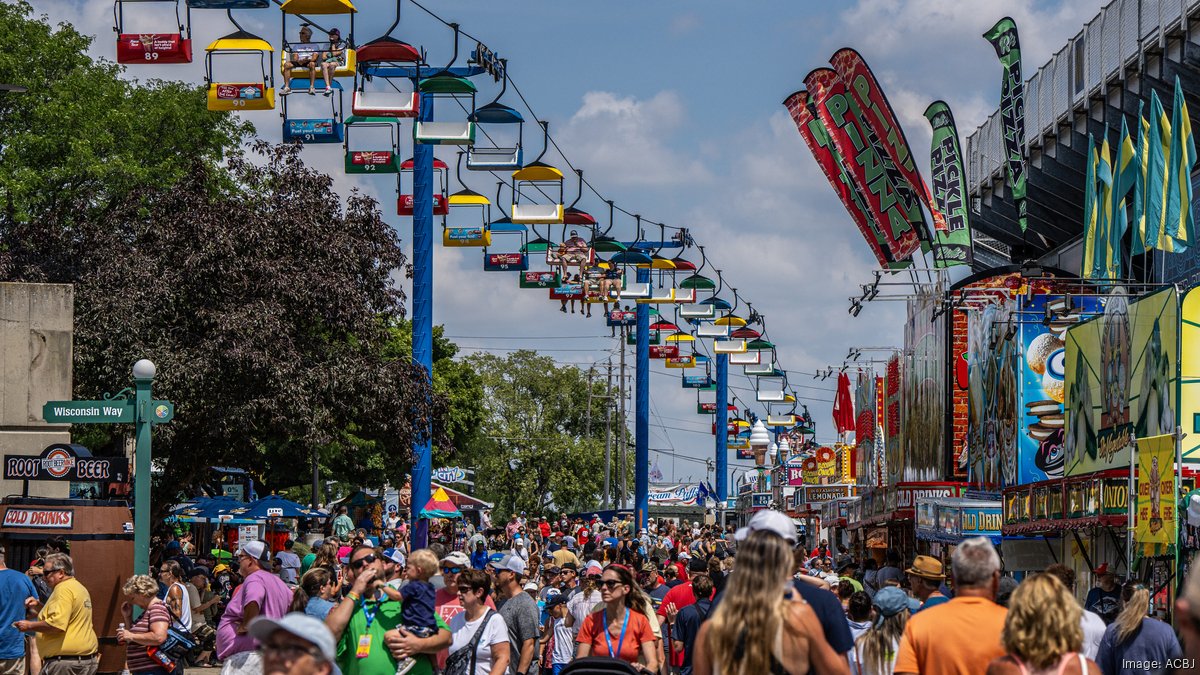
(453, 379)
(265, 299)
(535, 450)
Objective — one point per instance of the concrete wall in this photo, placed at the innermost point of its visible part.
(36, 332)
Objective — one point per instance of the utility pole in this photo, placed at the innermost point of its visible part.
(588, 416)
(621, 447)
(608, 440)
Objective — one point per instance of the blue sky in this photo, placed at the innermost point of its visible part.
(673, 109)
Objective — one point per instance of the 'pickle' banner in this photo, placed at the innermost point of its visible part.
(1003, 37)
(816, 137)
(890, 200)
(949, 187)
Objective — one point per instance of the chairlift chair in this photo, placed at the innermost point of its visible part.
(543, 179)
(478, 235)
(316, 129)
(400, 97)
(495, 156)
(372, 160)
(404, 204)
(239, 95)
(349, 65)
(228, 4)
(505, 261)
(158, 47)
(447, 87)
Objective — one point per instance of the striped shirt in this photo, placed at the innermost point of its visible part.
(135, 654)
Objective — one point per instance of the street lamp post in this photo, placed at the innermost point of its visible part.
(143, 378)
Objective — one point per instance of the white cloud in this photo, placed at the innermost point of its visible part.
(683, 24)
(623, 140)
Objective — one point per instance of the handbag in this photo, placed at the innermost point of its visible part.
(462, 661)
(179, 640)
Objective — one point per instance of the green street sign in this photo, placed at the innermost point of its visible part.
(116, 411)
(89, 412)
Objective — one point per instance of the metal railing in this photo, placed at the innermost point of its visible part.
(1114, 39)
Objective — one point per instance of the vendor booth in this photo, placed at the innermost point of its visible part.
(100, 536)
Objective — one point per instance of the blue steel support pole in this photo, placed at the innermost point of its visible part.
(641, 462)
(422, 315)
(722, 427)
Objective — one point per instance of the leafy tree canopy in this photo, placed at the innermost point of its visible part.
(535, 448)
(266, 300)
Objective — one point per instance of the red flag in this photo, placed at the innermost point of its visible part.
(843, 406)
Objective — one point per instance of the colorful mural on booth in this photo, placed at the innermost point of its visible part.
(1044, 324)
(924, 389)
(1189, 375)
(1121, 380)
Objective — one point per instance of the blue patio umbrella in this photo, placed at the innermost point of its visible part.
(206, 508)
(275, 506)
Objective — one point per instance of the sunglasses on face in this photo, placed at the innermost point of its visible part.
(451, 570)
(463, 588)
(363, 561)
(611, 584)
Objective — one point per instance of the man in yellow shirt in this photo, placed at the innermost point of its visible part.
(65, 637)
(961, 636)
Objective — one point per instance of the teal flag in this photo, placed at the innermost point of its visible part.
(1179, 224)
(1088, 261)
(1138, 240)
(1156, 190)
(1125, 172)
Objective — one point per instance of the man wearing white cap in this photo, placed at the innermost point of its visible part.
(520, 613)
(296, 644)
(261, 594)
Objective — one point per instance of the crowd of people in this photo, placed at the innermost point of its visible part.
(535, 595)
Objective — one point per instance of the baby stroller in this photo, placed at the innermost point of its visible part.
(599, 665)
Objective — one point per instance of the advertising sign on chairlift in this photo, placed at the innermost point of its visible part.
(621, 317)
(664, 351)
(503, 262)
(542, 279)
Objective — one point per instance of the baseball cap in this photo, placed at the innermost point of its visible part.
(343, 554)
(890, 601)
(255, 549)
(200, 571)
(844, 562)
(1102, 569)
(531, 586)
(509, 562)
(649, 567)
(570, 565)
(697, 565)
(556, 599)
(551, 570)
(457, 559)
(684, 555)
(770, 521)
(592, 567)
(307, 628)
(394, 554)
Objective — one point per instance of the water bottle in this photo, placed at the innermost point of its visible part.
(120, 627)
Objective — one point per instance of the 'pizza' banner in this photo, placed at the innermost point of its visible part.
(890, 200)
(862, 86)
(816, 137)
